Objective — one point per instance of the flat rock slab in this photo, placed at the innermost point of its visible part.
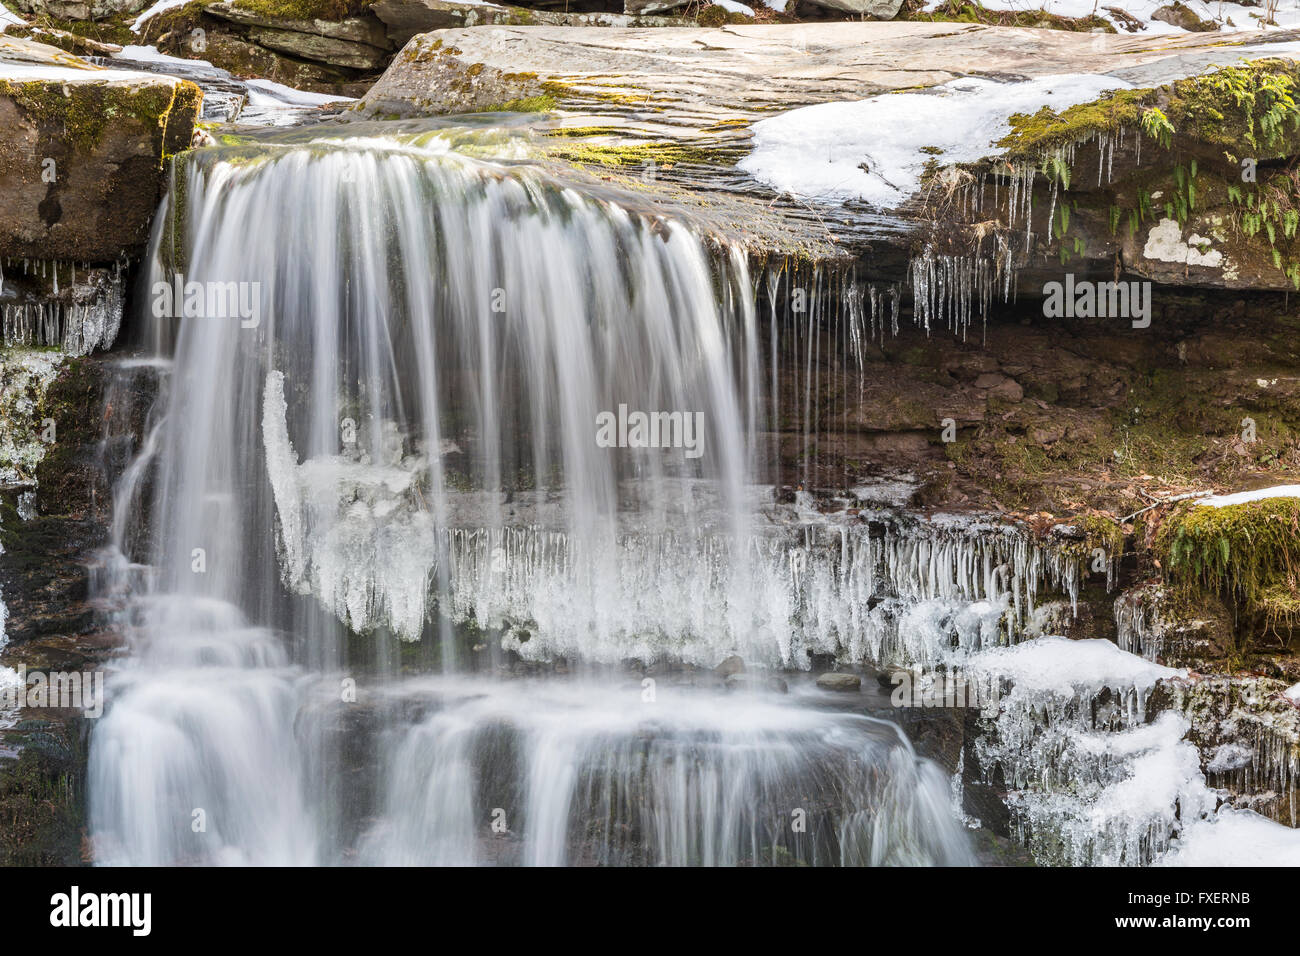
(690, 79)
(616, 97)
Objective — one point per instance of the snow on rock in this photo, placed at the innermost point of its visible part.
(1235, 838)
(1090, 782)
(1058, 666)
(876, 149)
(152, 11)
(1245, 497)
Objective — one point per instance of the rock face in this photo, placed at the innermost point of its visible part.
(358, 43)
(81, 165)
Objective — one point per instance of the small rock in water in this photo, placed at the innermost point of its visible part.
(839, 681)
(732, 665)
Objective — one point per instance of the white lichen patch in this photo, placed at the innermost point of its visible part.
(1165, 243)
(25, 377)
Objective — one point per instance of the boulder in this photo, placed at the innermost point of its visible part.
(732, 665)
(840, 681)
(83, 153)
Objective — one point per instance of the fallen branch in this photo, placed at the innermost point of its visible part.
(1166, 501)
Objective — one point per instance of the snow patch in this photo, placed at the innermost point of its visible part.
(872, 149)
(1245, 497)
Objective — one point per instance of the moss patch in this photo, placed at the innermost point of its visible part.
(1249, 554)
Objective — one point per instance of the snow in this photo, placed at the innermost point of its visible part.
(733, 7)
(818, 152)
(7, 17)
(265, 93)
(1245, 497)
(24, 72)
(1235, 838)
(1292, 694)
(1060, 667)
(154, 10)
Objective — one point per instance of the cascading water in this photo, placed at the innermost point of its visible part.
(389, 472)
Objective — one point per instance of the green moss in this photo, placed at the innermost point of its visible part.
(82, 115)
(1249, 554)
(529, 104)
(664, 154)
(333, 10)
(715, 15)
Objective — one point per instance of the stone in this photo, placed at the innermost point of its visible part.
(732, 665)
(312, 46)
(840, 681)
(1000, 386)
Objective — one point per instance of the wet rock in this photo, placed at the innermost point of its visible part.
(840, 681)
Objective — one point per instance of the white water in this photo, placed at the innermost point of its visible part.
(388, 452)
(346, 524)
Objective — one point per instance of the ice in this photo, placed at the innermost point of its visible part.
(1139, 628)
(819, 152)
(1091, 783)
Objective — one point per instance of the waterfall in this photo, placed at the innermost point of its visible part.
(427, 414)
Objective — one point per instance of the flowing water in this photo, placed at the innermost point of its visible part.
(358, 502)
